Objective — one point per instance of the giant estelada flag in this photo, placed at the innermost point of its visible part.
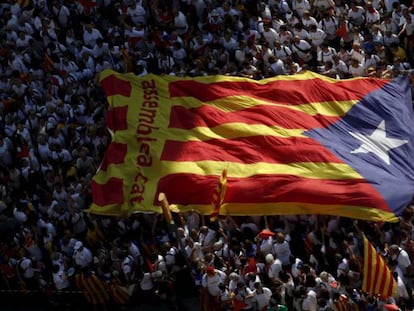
(302, 144)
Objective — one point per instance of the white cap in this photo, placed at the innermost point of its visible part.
(78, 245)
(156, 274)
(269, 258)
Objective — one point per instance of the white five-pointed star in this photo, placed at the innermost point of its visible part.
(377, 143)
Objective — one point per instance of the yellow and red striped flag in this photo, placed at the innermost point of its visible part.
(218, 195)
(377, 278)
(302, 144)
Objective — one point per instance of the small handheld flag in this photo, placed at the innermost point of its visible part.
(378, 278)
(218, 195)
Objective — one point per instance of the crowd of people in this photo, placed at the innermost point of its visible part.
(53, 137)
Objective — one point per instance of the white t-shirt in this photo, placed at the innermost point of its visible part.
(212, 282)
(262, 300)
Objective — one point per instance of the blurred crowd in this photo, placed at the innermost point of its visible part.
(53, 137)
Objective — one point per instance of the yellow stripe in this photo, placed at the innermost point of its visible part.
(260, 209)
(316, 170)
(239, 102)
(304, 75)
(365, 279)
(295, 208)
(230, 131)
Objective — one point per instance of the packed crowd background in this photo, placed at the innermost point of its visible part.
(53, 137)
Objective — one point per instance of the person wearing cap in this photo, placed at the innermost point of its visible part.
(210, 291)
(82, 256)
(308, 19)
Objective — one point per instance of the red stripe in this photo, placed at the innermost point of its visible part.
(116, 118)
(254, 149)
(197, 189)
(209, 116)
(376, 273)
(369, 276)
(383, 273)
(292, 92)
(109, 193)
(114, 86)
(115, 154)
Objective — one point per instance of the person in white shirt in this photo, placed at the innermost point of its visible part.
(325, 54)
(269, 34)
(282, 249)
(207, 237)
(340, 66)
(316, 36)
(285, 36)
(370, 60)
(228, 42)
(281, 51)
(298, 30)
(63, 14)
(101, 49)
(128, 269)
(180, 22)
(243, 296)
(308, 20)
(261, 296)
(91, 35)
(82, 256)
(210, 292)
(329, 24)
(276, 66)
(300, 6)
(193, 250)
(60, 278)
(302, 50)
(273, 267)
(402, 259)
(291, 19)
(136, 13)
(356, 69)
(372, 16)
(310, 302)
(356, 15)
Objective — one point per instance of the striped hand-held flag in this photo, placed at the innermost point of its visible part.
(377, 278)
(218, 195)
(302, 144)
